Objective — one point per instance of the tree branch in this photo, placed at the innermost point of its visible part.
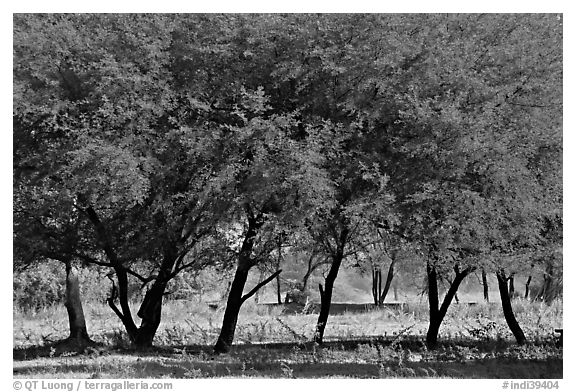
(112, 297)
(259, 285)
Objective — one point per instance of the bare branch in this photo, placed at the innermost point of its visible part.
(259, 285)
(112, 297)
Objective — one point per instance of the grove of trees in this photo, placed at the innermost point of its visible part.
(154, 144)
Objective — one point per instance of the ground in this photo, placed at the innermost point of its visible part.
(373, 343)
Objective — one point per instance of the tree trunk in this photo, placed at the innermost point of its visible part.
(485, 286)
(278, 293)
(326, 293)
(437, 313)
(389, 278)
(151, 313)
(507, 308)
(433, 308)
(151, 308)
(78, 332)
(235, 299)
(552, 287)
(232, 310)
(326, 301)
(375, 279)
(395, 287)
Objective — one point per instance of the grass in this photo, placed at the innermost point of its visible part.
(475, 343)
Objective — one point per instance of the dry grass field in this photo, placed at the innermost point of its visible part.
(273, 341)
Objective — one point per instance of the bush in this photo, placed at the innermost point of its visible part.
(39, 286)
(44, 284)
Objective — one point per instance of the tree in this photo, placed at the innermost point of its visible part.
(38, 239)
(470, 113)
(263, 196)
(126, 151)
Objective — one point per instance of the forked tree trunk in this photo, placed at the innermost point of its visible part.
(388, 283)
(507, 308)
(151, 308)
(326, 292)
(437, 313)
(235, 298)
(151, 313)
(73, 302)
(485, 286)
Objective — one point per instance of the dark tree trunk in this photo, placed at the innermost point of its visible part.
(376, 277)
(389, 278)
(124, 313)
(78, 332)
(232, 310)
(433, 307)
(395, 287)
(437, 313)
(326, 292)
(507, 308)
(326, 301)
(278, 293)
(527, 290)
(150, 310)
(151, 313)
(485, 286)
(235, 298)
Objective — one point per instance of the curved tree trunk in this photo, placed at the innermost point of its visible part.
(507, 308)
(326, 292)
(326, 300)
(232, 310)
(73, 303)
(151, 313)
(150, 310)
(235, 298)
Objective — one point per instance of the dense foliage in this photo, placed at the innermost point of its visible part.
(152, 144)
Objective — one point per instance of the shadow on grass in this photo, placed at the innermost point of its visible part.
(414, 343)
(190, 368)
(359, 358)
